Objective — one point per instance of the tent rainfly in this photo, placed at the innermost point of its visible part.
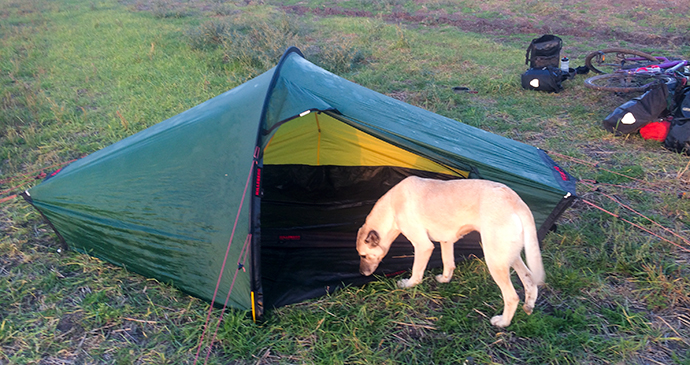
(257, 194)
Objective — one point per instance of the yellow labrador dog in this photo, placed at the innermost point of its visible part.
(426, 210)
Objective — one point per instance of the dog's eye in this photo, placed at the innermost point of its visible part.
(363, 256)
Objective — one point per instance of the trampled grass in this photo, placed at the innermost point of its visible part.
(78, 75)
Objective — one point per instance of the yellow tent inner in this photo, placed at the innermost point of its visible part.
(317, 139)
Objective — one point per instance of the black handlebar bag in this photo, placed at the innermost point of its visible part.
(544, 51)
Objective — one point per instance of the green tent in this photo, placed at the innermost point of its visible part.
(256, 195)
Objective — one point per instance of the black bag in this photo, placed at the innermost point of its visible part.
(678, 139)
(682, 109)
(543, 79)
(544, 51)
(638, 112)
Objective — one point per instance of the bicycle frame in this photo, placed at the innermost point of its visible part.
(639, 78)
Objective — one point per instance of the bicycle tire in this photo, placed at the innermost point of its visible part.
(624, 83)
(596, 61)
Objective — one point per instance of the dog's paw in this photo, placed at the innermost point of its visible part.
(406, 283)
(442, 279)
(528, 308)
(499, 322)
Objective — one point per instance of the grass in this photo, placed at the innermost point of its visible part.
(78, 75)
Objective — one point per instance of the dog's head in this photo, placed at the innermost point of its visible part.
(370, 249)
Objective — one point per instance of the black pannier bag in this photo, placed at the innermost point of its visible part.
(678, 139)
(638, 112)
(544, 51)
(543, 79)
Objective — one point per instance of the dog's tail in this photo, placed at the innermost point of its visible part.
(532, 251)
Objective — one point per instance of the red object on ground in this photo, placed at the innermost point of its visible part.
(656, 130)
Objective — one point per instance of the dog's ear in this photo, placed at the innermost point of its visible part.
(373, 238)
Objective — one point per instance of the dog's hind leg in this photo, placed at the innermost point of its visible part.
(448, 257)
(531, 289)
(501, 274)
(498, 259)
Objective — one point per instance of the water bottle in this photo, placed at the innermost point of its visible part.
(565, 64)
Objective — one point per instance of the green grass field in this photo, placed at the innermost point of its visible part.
(78, 75)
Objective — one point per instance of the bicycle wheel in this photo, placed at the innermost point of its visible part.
(624, 83)
(612, 59)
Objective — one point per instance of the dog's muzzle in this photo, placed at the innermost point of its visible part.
(366, 269)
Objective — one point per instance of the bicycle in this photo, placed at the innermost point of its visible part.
(632, 71)
(614, 59)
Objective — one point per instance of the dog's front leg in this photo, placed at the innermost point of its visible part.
(448, 257)
(422, 253)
